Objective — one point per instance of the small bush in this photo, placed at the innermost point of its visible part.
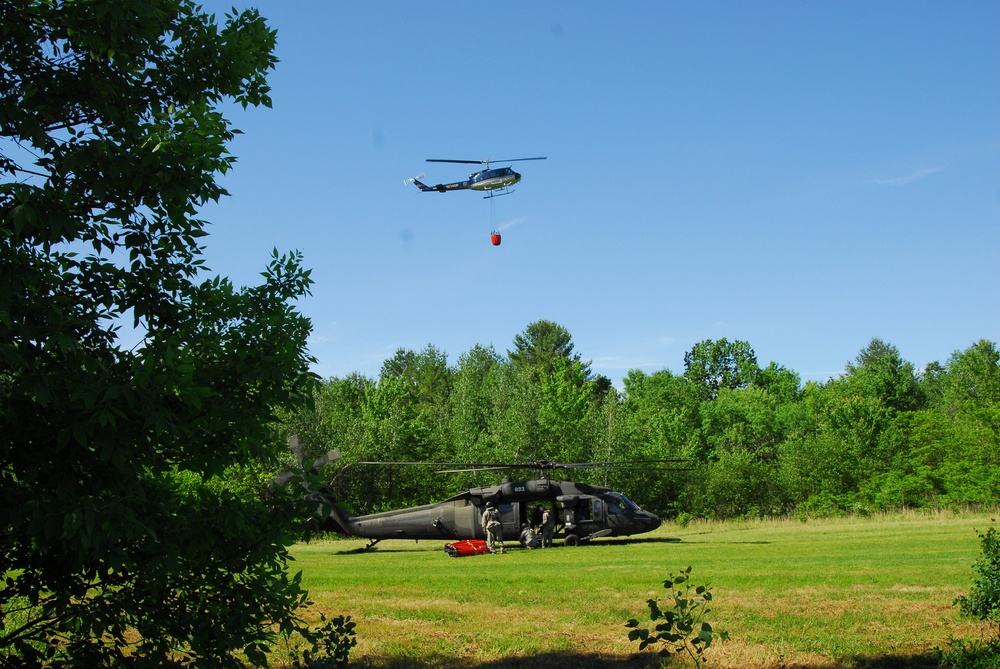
(975, 654)
(684, 628)
(331, 644)
(983, 600)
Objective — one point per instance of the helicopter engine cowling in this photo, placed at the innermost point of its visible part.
(515, 491)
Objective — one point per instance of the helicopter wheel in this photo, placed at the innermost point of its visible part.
(571, 540)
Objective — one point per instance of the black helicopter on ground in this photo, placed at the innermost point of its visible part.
(584, 511)
(494, 181)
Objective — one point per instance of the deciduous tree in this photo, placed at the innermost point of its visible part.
(713, 365)
(131, 383)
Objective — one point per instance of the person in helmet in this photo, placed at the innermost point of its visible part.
(528, 537)
(493, 528)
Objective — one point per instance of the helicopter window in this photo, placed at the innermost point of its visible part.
(632, 506)
(620, 504)
(614, 507)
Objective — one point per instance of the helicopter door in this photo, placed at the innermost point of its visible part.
(598, 511)
(618, 515)
(510, 515)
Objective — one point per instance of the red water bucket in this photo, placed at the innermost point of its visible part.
(495, 239)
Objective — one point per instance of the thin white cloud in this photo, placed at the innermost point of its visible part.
(909, 178)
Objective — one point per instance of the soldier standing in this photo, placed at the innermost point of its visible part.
(548, 526)
(536, 518)
(493, 527)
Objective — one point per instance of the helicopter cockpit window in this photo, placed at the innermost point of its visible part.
(620, 504)
(632, 506)
(614, 507)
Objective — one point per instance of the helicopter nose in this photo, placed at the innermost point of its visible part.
(652, 521)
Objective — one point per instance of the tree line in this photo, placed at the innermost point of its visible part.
(751, 440)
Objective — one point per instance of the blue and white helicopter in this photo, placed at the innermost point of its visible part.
(494, 182)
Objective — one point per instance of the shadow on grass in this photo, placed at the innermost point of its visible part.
(733, 543)
(415, 547)
(542, 661)
(922, 661)
(646, 660)
(621, 541)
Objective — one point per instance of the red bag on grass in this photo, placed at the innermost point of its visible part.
(466, 547)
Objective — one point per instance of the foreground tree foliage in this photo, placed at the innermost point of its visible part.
(138, 400)
(756, 442)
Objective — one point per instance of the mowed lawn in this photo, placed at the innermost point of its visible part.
(858, 592)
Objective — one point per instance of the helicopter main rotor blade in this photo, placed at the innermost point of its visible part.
(540, 465)
(546, 465)
(634, 464)
(441, 464)
(517, 160)
(474, 469)
(483, 162)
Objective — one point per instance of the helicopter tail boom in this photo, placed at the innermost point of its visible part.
(439, 188)
(338, 521)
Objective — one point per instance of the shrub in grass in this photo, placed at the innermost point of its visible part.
(684, 628)
(974, 654)
(331, 645)
(983, 600)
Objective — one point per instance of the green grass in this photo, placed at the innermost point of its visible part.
(823, 593)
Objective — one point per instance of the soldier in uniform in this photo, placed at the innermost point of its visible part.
(536, 519)
(548, 526)
(528, 537)
(493, 528)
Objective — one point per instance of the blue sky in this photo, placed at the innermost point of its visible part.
(803, 176)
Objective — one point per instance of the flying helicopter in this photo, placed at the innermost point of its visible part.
(494, 181)
(584, 511)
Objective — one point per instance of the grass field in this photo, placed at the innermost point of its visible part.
(858, 592)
